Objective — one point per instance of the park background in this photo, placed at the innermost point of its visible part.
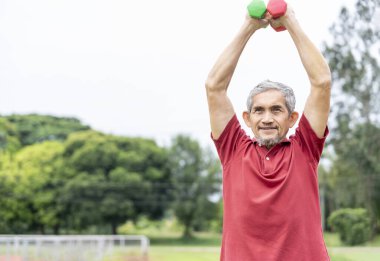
(104, 125)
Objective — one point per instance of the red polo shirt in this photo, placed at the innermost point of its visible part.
(271, 201)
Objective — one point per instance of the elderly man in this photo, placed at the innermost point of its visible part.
(270, 184)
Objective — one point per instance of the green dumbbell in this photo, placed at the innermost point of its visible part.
(257, 9)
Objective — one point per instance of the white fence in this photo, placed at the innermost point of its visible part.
(71, 248)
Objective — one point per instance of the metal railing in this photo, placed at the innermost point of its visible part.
(70, 248)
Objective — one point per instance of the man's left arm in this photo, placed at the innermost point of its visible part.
(317, 106)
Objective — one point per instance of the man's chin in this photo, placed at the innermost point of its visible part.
(268, 142)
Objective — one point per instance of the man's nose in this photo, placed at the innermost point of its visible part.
(267, 118)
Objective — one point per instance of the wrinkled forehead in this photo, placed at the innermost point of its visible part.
(269, 98)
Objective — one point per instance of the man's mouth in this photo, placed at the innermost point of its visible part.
(267, 128)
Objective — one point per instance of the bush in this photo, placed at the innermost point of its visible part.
(352, 225)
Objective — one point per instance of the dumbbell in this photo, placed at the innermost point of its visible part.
(277, 8)
(257, 9)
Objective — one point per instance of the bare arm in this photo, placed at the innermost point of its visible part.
(317, 106)
(220, 106)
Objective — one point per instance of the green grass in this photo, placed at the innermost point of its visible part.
(355, 254)
(206, 247)
(169, 246)
(214, 239)
(202, 253)
(332, 239)
(339, 258)
(161, 253)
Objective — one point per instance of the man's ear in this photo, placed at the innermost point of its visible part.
(246, 116)
(293, 118)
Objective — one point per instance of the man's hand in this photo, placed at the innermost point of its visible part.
(283, 20)
(257, 24)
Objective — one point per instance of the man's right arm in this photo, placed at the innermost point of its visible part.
(220, 107)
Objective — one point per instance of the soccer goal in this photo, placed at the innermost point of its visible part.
(73, 248)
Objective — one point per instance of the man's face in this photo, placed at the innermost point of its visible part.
(269, 118)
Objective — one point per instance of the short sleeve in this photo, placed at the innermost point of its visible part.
(311, 144)
(228, 142)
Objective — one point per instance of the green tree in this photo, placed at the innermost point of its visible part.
(14, 214)
(8, 136)
(353, 225)
(90, 182)
(196, 177)
(353, 55)
(34, 128)
(115, 179)
(353, 59)
(31, 184)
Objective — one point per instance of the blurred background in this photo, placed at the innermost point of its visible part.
(104, 123)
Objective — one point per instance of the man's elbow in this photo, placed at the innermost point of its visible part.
(213, 86)
(323, 82)
(210, 84)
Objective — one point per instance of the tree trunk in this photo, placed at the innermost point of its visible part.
(56, 230)
(114, 229)
(187, 232)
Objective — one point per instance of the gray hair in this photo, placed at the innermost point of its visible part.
(290, 99)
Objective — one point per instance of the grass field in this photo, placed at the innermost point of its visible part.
(161, 253)
(205, 247)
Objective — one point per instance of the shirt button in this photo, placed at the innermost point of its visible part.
(267, 158)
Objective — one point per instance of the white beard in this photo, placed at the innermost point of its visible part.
(269, 143)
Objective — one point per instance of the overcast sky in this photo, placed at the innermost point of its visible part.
(137, 68)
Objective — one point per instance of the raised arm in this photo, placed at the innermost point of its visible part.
(317, 106)
(220, 106)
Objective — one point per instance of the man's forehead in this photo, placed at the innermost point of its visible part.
(269, 98)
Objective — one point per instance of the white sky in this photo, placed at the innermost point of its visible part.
(137, 68)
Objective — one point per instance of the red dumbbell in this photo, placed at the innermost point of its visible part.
(277, 8)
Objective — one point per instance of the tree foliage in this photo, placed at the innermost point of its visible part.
(196, 177)
(8, 136)
(31, 183)
(34, 128)
(353, 56)
(114, 179)
(354, 61)
(353, 225)
(61, 179)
